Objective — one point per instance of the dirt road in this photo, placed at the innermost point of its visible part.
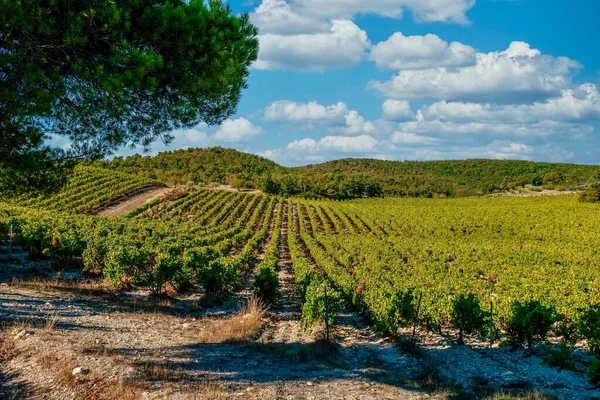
(134, 202)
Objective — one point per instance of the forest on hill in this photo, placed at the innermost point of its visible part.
(353, 178)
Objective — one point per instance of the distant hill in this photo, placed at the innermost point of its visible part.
(452, 178)
(352, 178)
(206, 166)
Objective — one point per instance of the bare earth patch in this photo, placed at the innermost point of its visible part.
(135, 202)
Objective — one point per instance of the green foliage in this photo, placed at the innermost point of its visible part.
(589, 327)
(591, 194)
(349, 178)
(106, 74)
(594, 372)
(268, 185)
(561, 358)
(289, 186)
(266, 285)
(201, 166)
(86, 187)
(238, 183)
(529, 321)
(313, 308)
(467, 315)
(390, 313)
(552, 178)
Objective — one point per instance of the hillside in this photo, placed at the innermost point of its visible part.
(85, 188)
(204, 166)
(351, 178)
(455, 178)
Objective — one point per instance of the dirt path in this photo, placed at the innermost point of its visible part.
(159, 356)
(531, 193)
(133, 203)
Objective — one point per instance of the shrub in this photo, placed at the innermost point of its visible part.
(266, 284)
(217, 277)
(594, 372)
(313, 308)
(529, 321)
(467, 315)
(94, 255)
(589, 327)
(591, 194)
(561, 358)
(552, 178)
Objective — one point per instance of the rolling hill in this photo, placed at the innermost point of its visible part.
(352, 178)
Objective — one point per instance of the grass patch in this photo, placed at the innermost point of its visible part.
(239, 328)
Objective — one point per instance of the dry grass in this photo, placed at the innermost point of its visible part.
(535, 395)
(176, 193)
(210, 391)
(50, 323)
(62, 366)
(239, 328)
(162, 371)
(7, 349)
(106, 390)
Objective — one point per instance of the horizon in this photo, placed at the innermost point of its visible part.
(166, 151)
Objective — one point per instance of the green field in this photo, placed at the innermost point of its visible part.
(376, 255)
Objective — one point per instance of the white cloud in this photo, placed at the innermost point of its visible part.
(343, 46)
(506, 130)
(301, 16)
(578, 104)
(356, 124)
(420, 52)
(194, 137)
(500, 150)
(312, 35)
(517, 74)
(277, 16)
(405, 138)
(237, 130)
(285, 110)
(337, 117)
(397, 110)
(305, 151)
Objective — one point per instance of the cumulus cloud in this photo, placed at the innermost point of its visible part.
(577, 104)
(500, 149)
(277, 16)
(420, 52)
(337, 117)
(467, 130)
(301, 16)
(309, 150)
(312, 35)
(519, 74)
(236, 130)
(397, 110)
(343, 46)
(285, 110)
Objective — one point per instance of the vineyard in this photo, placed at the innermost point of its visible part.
(438, 263)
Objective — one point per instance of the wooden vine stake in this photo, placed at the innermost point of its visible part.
(326, 313)
(10, 239)
(491, 324)
(416, 321)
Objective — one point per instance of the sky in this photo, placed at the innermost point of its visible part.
(416, 80)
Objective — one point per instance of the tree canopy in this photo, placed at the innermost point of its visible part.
(107, 73)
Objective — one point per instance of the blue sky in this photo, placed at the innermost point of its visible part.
(417, 79)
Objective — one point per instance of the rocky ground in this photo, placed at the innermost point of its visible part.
(67, 338)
